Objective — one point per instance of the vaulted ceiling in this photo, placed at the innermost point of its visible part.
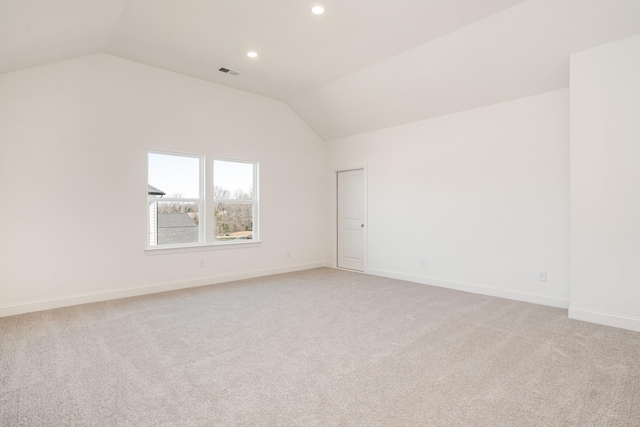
(361, 66)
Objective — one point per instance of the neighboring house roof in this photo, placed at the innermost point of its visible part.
(176, 228)
(171, 220)
(153, 191)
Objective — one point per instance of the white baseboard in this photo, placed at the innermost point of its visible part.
(541, 299)
(70, 300)
(607, 319)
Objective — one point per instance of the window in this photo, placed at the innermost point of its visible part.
(175, 199)
(187, 211)
(235, 199)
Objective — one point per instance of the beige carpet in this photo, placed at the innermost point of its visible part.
(316, 348)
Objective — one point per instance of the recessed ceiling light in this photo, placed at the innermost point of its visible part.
(252, 54)
(318, 9)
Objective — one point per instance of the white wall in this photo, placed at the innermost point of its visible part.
(483, 195)
(74, 137)
(605, 184)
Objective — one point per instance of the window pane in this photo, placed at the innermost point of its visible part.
(173, 223)
(232, 180)
(233, 221)
(175, 176)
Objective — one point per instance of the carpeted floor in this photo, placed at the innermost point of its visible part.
(316, 348)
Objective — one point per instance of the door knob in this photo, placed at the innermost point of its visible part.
(361, 225)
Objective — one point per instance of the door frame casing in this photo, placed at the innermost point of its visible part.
(334, 215)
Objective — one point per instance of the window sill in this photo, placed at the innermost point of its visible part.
(198, 248)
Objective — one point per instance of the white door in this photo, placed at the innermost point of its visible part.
(351, 219)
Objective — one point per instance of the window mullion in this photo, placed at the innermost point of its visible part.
(173, 199)
(237, 202)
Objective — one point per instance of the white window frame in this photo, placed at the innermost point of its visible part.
(255, 202)
(206, 233)
(200, 201)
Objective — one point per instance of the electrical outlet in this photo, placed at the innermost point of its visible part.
(422, 262)
(201, 263)
(288, 254)
(542, 276)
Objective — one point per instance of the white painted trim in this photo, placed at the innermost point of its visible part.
(603, 318)
(70, 300)
(231, 244)
(549, 300)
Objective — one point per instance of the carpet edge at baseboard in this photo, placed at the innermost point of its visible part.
(23, 307)
(604, 318)
(549, 300)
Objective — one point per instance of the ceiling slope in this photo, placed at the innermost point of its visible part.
(298, 51)
(362, 66)
(519, 52)
(37, 32)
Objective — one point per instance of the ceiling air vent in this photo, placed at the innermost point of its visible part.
(228, 71)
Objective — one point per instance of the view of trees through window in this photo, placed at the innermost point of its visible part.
(233, 220)
(234, 199)
(190, 208)
(176, 201)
